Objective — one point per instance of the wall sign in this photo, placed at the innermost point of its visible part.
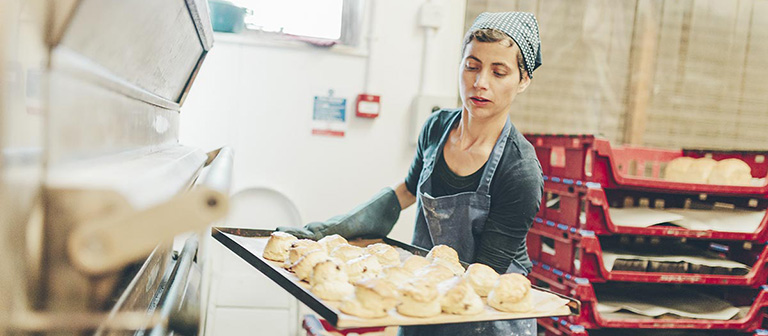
(329, 115)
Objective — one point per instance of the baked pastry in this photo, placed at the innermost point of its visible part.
(434, 272)
(330, 242)
(481, 277)
(278, 245)
(452, 265)
(347, 252)
(419, 298)
(373, 298)
(396, 275)
(699, 170)
(365, 267)
(298, 249)
(677, 168)
(443, 252)
(731, 172)
(512, 293)
(329, 270)
(415, 263)
(329, 280)
(459, 298)
(304, 266)
(386, 254)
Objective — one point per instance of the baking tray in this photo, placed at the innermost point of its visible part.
(249, 245)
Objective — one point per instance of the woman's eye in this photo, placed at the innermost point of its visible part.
(469, 67)
(499, 74)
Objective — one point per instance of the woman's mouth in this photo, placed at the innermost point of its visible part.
(479, 101)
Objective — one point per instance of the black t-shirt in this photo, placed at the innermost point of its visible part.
(515, 191)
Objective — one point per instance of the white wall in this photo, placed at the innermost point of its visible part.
(257, 98)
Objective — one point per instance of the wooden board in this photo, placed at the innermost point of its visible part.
(249, 245)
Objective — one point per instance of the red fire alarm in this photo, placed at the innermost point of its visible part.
(368, 106)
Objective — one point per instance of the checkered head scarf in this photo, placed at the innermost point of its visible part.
(522, 27)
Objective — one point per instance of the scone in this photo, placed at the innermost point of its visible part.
(512, 293)
(330, 242)
(699, 170)
(298, 249)
(434, 272)
(481, 277)
(731, 172)
(365, 267)
(347, 252)
(333, 290)
(303, 267)
(278, 245)
(330, 269)
(329, 280)
(396, 275)
(459, 298)
(373, 298)
(676, 169)
(420, 298)
(295, 253)
(443, 252)
(451, 264)
(415, 263)
(386, 254)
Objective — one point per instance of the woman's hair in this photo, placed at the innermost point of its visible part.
(493, 35)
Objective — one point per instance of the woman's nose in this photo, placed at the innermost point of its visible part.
(481, 81)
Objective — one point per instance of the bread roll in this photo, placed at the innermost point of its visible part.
(419, 298)
(298, 249)
(443, 252)
(347, 252)
(330, 242)
(278, 245)
(396, 275)
(512, 293)
(415, 263)
(373, 298)
(333, 290)
(386, 254)
(329, 280)
(435, 272)
(459, 298)
(731, 172)
(304, 266)
(330, 269)
(365, 267)
(677, 168)
(481, 277)
(452, 265)
(699, 170)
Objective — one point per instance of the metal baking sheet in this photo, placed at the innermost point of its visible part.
(249, 245)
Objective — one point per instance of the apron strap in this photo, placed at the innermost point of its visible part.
(493, 160)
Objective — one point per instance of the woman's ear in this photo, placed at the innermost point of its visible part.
(524, 83)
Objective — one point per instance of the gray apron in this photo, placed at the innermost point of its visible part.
(456, 221)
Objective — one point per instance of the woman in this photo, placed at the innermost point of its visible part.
(475, 179)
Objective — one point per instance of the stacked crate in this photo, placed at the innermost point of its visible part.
(587, 176)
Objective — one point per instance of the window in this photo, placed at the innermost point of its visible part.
(330, 20)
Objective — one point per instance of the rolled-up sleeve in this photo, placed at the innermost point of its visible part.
(502, 238)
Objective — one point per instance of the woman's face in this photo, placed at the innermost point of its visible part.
(489, 78)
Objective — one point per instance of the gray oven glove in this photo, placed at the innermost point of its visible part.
(374, 218)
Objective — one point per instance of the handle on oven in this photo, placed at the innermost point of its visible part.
(108, 243)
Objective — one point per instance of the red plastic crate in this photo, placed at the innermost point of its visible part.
(596, 204)
(584, 159)
(587, 249)
(561, 327)
(598, 219)
(590, 318)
